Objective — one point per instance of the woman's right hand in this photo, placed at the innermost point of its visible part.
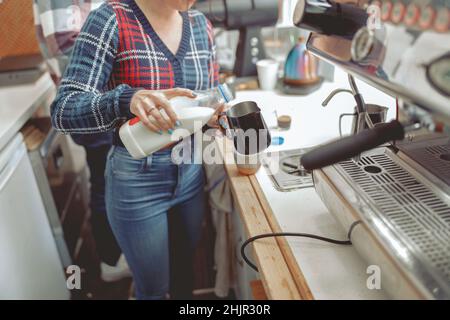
(151, 103)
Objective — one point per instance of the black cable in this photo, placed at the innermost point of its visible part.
(293, 234)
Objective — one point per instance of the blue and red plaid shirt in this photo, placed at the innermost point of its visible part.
(118, 53)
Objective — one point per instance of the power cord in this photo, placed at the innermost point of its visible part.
(293, 234)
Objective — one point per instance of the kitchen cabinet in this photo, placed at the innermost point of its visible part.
(244, 275)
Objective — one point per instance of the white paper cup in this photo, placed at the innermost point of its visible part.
(267, 73)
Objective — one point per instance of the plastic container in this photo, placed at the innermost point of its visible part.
(208, 98)
(192, 113)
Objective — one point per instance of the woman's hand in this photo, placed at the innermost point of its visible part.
(219, 120)
(155, 104)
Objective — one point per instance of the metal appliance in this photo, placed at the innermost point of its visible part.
(400, 193)
(247, 124)
(30, 267)
(60, 185)
(247, 16)
(285, 170)
(37, 153)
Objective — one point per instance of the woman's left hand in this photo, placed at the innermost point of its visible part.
(219, 120)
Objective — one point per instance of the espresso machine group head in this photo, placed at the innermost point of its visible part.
(247, 16)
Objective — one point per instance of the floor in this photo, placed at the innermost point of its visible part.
(96, 289)
(123, 290)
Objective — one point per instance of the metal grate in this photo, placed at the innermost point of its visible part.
(284, 171)
(411, 210)
(435, 158)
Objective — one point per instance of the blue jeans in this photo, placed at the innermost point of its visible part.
(140, 196)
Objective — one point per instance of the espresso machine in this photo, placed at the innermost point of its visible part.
(390, 181)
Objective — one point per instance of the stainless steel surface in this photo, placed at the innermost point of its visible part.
(285, 170)
(371, 110)
(335, 193)
(47, 151)
(285, 12)
(407, 214)
(29, 262)
(248, 128)
(333, 93)
(50, 207)
(433, 154)
(374, 114)
(242, 109)
(404, 57)
(362, 118)
(402, 195)
(353, 85)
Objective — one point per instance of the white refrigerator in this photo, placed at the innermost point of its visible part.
(30, 267)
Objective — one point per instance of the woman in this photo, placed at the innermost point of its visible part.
(131, 57)
(58, 24)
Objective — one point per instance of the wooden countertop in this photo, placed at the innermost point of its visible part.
(280, 274)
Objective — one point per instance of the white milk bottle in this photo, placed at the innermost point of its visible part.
(192, 113)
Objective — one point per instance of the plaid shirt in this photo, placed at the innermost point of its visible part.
(117, 53)
(58, 23)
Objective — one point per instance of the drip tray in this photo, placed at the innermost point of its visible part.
(412, 211)
(285, 170)
(433, 155)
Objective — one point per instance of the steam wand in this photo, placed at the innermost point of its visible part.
(361, 109)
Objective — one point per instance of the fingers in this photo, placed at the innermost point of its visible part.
(223, 121)
(218, 121)
(150, 116)
(161, 121)
(221, 117)
(172, 120)
(213, 122)
(179, 92)
(150, 104)
(143, 115)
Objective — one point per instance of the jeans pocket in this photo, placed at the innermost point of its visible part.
(124, 165)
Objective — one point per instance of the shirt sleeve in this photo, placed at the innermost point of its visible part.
(84, 103)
